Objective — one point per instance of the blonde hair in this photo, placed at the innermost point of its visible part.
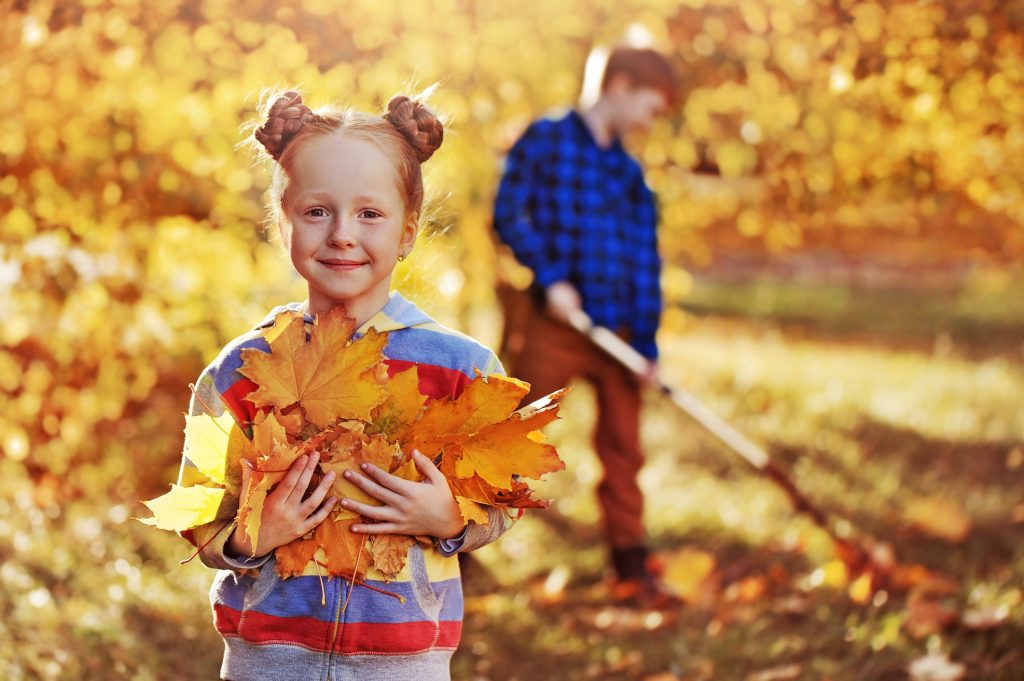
(407, 131)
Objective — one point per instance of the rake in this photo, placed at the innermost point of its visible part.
(860, 555)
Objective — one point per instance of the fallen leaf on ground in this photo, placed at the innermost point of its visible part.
(939, 517)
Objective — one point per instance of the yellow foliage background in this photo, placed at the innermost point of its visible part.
(131, 248)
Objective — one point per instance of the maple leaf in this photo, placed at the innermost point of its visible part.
(402, 405)
(509, 448)
(483, 402)
(184, 507)
(341, 549)
(471, 510)
(267, 472)
(214, 444)
(324, 374)
(477, 489)
(389, 553)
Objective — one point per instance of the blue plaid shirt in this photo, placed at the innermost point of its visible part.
(573, 211)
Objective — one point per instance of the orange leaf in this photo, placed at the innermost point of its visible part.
(334, 542)
(482, 403)
(324, 374)
(505, 449)
(389, 552)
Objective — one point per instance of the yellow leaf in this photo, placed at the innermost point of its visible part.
(471, 510)
(324, 375)
(690, 573)
(213, 443)
(184, 507)
(402, 405)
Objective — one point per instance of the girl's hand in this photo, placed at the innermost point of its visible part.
(287, 512)
(413, 508)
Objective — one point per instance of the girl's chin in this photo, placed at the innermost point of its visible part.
(346, 297)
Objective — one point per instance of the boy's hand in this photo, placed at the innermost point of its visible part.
(288, 513)
(413, 508)
(563, 299)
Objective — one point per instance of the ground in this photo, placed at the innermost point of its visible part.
(915, 440)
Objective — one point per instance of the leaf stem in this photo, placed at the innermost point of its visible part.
(355, 571)
(205, 544)
(192, 387)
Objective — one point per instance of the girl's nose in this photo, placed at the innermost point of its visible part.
(342, 234)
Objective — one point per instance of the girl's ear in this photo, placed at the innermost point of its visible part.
(409, 232)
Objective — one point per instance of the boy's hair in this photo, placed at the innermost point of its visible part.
(644, 67)
(408, 132)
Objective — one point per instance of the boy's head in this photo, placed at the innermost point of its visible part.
(637, 85)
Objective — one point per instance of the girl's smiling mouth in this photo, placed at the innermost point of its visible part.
(341, 265)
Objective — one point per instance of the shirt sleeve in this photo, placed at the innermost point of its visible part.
(646, 271)
(517, 220)
(211, 539)
(499, 520)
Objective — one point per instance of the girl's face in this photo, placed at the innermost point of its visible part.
(348, 223)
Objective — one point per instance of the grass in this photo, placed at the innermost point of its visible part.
(868, 432)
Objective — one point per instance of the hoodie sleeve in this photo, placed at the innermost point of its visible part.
(499, 520)
(211, 539)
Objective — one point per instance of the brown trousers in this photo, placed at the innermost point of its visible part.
(548, 354)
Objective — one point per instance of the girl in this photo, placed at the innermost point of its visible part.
(346, 195)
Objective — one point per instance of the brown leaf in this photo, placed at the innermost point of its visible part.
(389, 552)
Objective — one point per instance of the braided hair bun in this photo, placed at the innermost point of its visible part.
(287, 115)
(420, 127)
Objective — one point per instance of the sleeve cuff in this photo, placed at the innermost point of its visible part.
(449, 547)
(236, 562)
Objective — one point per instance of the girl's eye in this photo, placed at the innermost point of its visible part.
(369, 214)
(317, 212)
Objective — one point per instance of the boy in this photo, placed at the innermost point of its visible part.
(574, 208)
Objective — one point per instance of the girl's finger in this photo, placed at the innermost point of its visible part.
(302, 484)
(427, 467)
(246, 477)
(368, 511)
(321, 515)
(386, 480)
(317, 497)
(287, 484)
(372, 488)
(377, 528)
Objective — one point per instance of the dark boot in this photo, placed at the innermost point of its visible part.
(635, 582)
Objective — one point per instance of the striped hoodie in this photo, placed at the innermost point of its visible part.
(277, 628)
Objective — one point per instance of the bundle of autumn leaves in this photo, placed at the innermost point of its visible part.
(318, 389)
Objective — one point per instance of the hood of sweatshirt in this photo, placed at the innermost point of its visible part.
(397, 313)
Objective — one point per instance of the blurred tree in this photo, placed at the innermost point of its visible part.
(130, 246)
